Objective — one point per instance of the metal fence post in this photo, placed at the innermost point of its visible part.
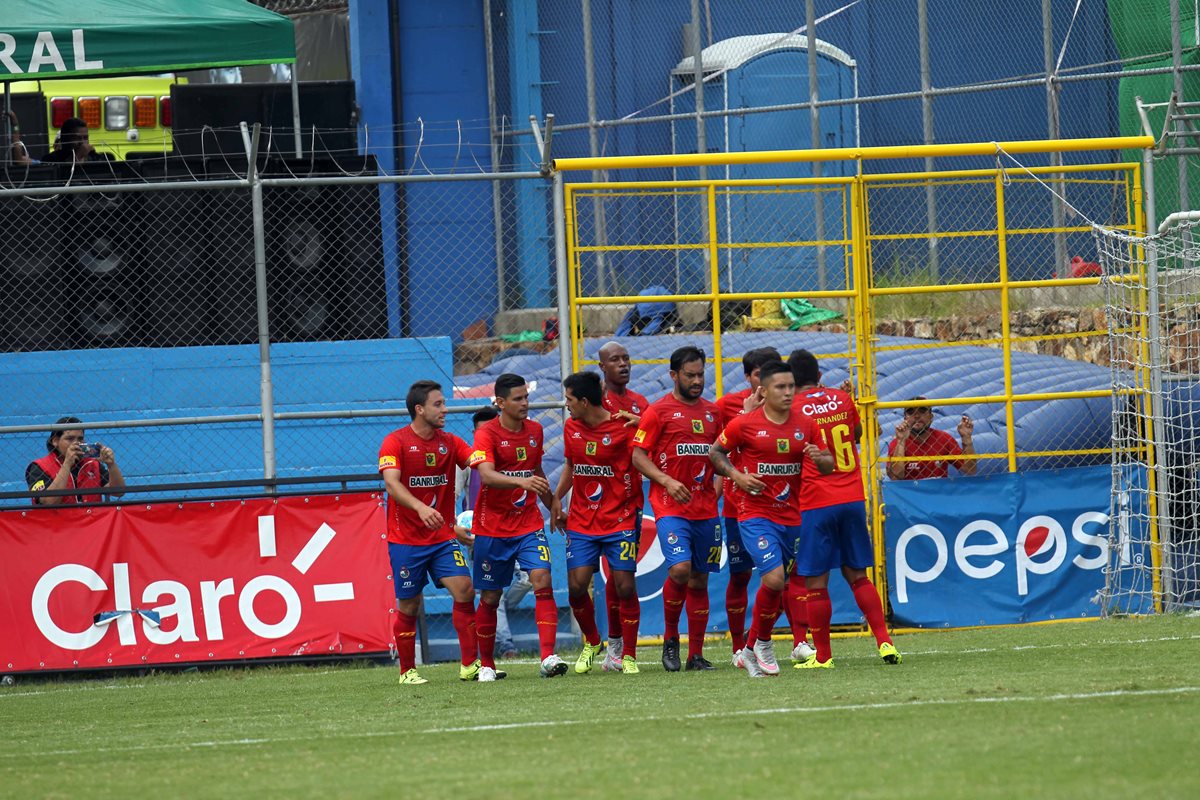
(266, 393)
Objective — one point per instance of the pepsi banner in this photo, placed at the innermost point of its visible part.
(193, 582)
(1001, 549)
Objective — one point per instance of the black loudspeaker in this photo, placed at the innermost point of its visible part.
(34, 285)
(231, 286)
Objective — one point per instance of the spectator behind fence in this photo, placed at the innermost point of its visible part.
(72, 144)
(915, 438)
(70, 464)
(18, 154)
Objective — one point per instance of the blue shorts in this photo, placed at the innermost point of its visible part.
(770, 544)
(694, 540)
(494, 557)
(739, 559)
(414, 564)
(834, 537)
(619, 548)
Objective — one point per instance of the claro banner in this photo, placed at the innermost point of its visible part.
(193, 582)
(1008, 548)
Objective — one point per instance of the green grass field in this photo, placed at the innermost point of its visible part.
(1089, 710)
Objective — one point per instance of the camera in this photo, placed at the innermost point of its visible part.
(90, 449)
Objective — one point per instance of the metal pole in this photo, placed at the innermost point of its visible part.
(565, 329)
(266, 393)
(814, 115)
(296, 111)
(8, 142)
(1180, 125)
(701, 133)
(927, 127)
(598, 218)
(1052, 132)
(497, 199)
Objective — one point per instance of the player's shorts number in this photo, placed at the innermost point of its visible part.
(628, 551)
(843, 448)
(714, 555)
(458, 558)
(544, 552)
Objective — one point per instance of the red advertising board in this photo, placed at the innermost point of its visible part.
(82, 588)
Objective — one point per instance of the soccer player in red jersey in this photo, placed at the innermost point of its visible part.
(773, 442)
(602, 515)
(417, 463)
(623, 402)
(671, 449)
(508, 525)
(833, 530)
(915, 438)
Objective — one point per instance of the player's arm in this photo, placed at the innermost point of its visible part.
(495, 479)
(718, 454)
(642, 463)
(393, 481)
(558, 514)
(822, 458)
(544, 495)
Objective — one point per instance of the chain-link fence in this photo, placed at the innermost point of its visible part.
(222, 328)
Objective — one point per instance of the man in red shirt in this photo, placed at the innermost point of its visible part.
(508, 525)
(916, 438)
(622, 402)
(602, 517)
(833, 530)
(418, 463)
(671, 448)
(773, 443)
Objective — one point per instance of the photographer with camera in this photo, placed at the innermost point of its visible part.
(73, 464)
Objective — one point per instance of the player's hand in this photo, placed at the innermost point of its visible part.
(966, 428)
(558, 516)
(431, 518)
(902, 430)
(464, 535)
(536, 484)
(631, 420)
(107, 456)
(678, 492)
(754, 400)
(748, 483)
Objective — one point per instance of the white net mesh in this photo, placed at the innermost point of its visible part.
(1152, 286)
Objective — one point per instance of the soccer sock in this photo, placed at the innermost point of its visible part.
(614, 607)
(736, 600)
(631, 617)
(463, 618)
(546, 614)
(766, 611)
(697, 614)
(585, 615)
(404, 630)
(673, 596)
(868, 601)
(797, 608)
(485, 633)
(820, 612)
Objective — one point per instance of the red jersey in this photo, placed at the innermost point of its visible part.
(506, 513)
(834, 418)
(427, 468)
(937, 443)
(773, 453)
(677, 437)
(602, 473)
(635, 404)
(732, 405)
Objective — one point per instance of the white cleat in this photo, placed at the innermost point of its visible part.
(803, 652)
(748, 662)
(486, 675)
(737, 659)
(552, 665)
(764, 653)
(612, 658)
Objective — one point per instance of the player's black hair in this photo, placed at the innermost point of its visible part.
(805, 367)
(506, 383)
(484, 415)
(418, 393)
(55, 434)
(685, 355)
(585, 386)
(771, 369)
(754, 359)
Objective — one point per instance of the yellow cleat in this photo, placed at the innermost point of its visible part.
(889, 653)
(812, 663)
(583, 664)
(629, 665)
(411, 678)
(469, 672)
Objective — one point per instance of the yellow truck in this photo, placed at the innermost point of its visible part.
(123, 115)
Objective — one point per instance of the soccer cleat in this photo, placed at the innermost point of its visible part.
(486, 675)
(750, 663)
(670, 654)
(698, 663)
(552, 665)
(587, 655)
(889, 653)
(411, 678)
(812, 663)
(803, 652)
(616, 649)
(468, 672)
(737, 659)
(629, 665)
(764, 653)
(612, 664)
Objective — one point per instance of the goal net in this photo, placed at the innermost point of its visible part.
(1152, 289)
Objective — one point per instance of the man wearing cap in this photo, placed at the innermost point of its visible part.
(915, 437)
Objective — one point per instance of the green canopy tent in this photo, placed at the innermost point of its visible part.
(80, 38)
